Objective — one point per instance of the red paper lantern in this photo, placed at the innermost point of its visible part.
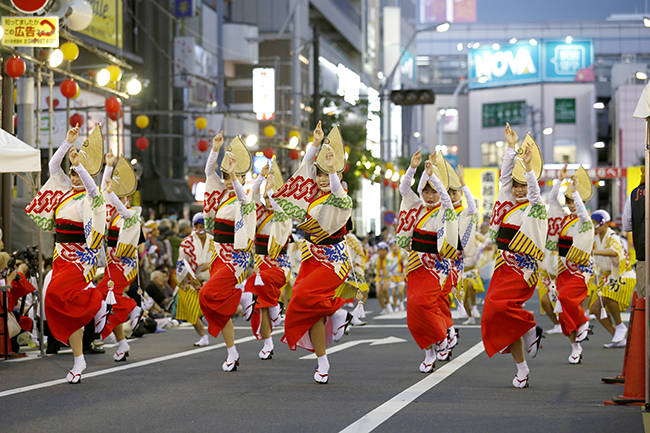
(386, 182)
(15, 67)
(203, 145)
(112, 105)
(294, 154)
(113, 116)
(394, 185)
(76, 119)
(142, 143)
(347, 167)
(366, 175)
(268, 152)
(69, 88)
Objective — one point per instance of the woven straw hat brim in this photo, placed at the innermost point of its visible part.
(441, 169)
(91, 155)
(519, 170)
(454, 180)
(335, 141)
(124, 180)
(277, 175)
(242, 155)
(585, 187)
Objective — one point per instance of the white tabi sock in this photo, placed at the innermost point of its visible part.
(323, 364)
(522, 369)
(123, 346)
(268, 344)
(79, 364)
(576, 347)
(233, 355)
(429, 355)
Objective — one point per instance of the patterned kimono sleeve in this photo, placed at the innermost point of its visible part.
(556, 215)
(467, 224)
(409, 210)
(214, 191)
(335, 211)
(245, 218)
(182, 265)
(505, 199)
(296, 193)
(280, 228)
(580, 251)
(94, 210)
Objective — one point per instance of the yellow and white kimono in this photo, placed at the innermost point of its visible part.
(615, 277)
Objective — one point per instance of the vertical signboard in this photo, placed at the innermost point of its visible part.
(107, 23)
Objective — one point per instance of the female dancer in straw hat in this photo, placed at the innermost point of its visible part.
(518, 227)
(73, 207)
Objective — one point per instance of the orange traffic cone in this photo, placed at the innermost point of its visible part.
(634, 392)
(620, 379)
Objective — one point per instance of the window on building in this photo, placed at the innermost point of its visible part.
(492, 153)
(564, 151)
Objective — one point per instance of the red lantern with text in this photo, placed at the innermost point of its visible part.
(112, 104)
(15, 67)
(142, 143)
(76, 119)
(113, 116)
(268, 152)
(294, 154)
(203, 145)
(394, 185)
(69, 88)
(386, 182)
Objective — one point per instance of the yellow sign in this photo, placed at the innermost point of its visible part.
(633, 178)
(30, 32)
(107, 22)
(484, 184)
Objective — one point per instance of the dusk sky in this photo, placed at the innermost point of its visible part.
(555, 10)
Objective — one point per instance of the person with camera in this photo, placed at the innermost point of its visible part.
(15, 277)
(73, 207)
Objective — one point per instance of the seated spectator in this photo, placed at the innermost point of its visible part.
(20, 287)
(154, 289)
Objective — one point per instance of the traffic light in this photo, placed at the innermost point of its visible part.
(412, 97)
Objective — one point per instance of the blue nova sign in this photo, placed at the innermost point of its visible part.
(524, 63)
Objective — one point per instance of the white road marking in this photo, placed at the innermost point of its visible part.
(376, 417)
(389, 316)
(127, 366)
(348, 344)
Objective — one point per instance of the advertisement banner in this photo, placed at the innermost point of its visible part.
(511, 64)
(484, 184)
(107, 23)
(30, 31)
(565, 110)
(562, 61)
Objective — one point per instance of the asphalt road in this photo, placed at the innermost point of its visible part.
(169, 386)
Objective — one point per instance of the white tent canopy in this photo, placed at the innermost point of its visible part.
(17, 156)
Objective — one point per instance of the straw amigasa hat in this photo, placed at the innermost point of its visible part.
(241, 154)
(91, 155)
(335, 141)
(276, 174)
(585, 187)
(519, 171)
(124, 180)
(454, 180)
(441, 169)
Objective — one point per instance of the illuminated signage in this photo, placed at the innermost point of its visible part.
(264, 93)
(30, 31)
(349, 83)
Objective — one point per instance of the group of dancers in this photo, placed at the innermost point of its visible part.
(434, 255)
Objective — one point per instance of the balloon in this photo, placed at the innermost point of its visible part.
(81, 15)
(76, 95)
(113, 116)
(116, 73)
(347, 149)
(269, 131)
(386, 182)
(394, 185)
(70, 51)
(389, 165)
(294, 133)
(366, 175)
(142, 143)
(203, 145)
(15, 67)
(347, 167)
(112, 104)
(201, 123)
(69, 88)
(142, 121)
(76, 119)
(268, 152)
(294, 154)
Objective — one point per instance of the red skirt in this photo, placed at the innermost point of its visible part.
(267, 295)
(123, 307)
(572, 291)
(504, 319)
(219, 297)
(70, 303)
(311, 300)
(423, 316)
(443, 300)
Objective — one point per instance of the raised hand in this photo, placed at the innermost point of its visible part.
(270, 183)
(232, 164)
(265, 171)
(428, 167)
(416, 159)
(72, 134)
(511, 137)
(74, 157)
(110, 158)
(329, 160)
(109, 186)
(562, 174)
(217, 142)
(319, 135)
(527, 157)
(574, 185)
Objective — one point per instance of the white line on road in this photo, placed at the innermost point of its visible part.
(348, 344)
(373, 419)
(127, 366)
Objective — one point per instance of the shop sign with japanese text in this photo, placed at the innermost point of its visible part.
(30, 31)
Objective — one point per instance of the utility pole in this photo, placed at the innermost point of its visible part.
(316, 102)
(7, 178)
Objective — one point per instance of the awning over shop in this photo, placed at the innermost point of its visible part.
(165, 190)
(17, 156)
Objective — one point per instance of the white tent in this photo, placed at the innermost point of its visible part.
(17, 156)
